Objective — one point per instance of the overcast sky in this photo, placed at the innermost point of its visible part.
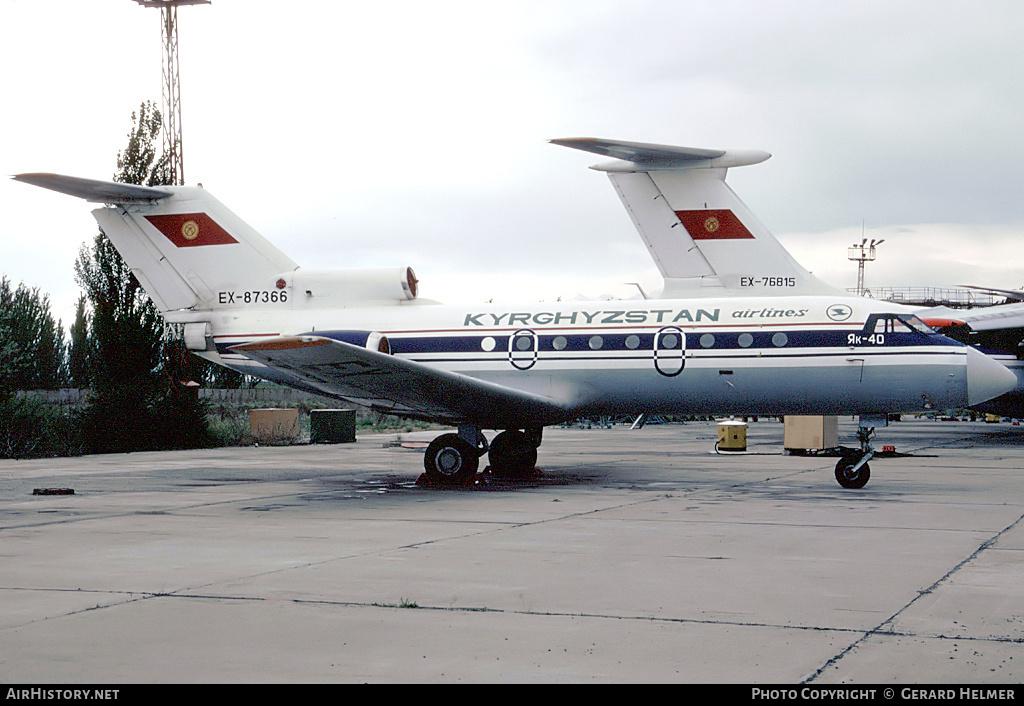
(415, 133)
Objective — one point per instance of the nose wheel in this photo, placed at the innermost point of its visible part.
(852, 471)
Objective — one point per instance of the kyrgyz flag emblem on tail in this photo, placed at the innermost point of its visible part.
(713, 224)
(188, 230)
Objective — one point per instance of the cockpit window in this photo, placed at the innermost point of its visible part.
(916, 323)
(896, 323)
(890, 324)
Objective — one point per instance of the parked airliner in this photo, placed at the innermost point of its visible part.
(997, 331)
(739, 327)
(694, 264)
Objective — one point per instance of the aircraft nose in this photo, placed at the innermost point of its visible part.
(986, 378)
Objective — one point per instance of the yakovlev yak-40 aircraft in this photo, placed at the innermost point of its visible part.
(740, 327)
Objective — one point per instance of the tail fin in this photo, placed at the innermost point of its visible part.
(702, 237)
(182, 244)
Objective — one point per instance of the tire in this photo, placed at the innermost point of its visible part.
(847, 477)
(511, 455)
(451, 460)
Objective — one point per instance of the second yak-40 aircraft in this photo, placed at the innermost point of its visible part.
(739, 328)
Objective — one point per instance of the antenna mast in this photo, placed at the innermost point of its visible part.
(171, 90)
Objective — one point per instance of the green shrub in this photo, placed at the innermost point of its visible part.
(32, 429)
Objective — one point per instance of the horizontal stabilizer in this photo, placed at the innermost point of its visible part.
(94, 190)
(652, 157)
(399, 386)
(637, 151)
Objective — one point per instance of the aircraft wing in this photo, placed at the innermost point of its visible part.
(398, 386)
(1001, 316)
(982, 318)
(1014, 294)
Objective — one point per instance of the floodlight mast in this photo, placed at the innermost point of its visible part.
(861, 254)
(171, 89)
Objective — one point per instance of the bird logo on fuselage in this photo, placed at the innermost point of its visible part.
(839, 312)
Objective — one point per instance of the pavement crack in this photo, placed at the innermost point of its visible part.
(885, 627)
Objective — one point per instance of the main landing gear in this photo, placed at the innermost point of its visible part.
(853, 470)
(453, 459)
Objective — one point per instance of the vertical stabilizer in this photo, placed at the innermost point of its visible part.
(188, 249)
(184, 246)
(702, 237)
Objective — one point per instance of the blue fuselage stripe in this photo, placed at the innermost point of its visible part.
(640, 343)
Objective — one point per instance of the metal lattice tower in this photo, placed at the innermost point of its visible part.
(171, 90)
(860, 254)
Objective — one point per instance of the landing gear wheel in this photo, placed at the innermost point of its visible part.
(512, 455)
(849, 478)
(451, 460)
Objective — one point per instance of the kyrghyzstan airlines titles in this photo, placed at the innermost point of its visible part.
(621, 316)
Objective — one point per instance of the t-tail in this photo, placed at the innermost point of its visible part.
(193, 256)
(703, 238)
(182, 244)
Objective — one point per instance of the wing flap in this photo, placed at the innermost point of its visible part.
(399, 386)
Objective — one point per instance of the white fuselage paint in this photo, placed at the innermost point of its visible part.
(778, 355)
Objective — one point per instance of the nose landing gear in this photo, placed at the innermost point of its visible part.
(853, 470)
(853, 473)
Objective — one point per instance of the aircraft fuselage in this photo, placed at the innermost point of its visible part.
(783, 355)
